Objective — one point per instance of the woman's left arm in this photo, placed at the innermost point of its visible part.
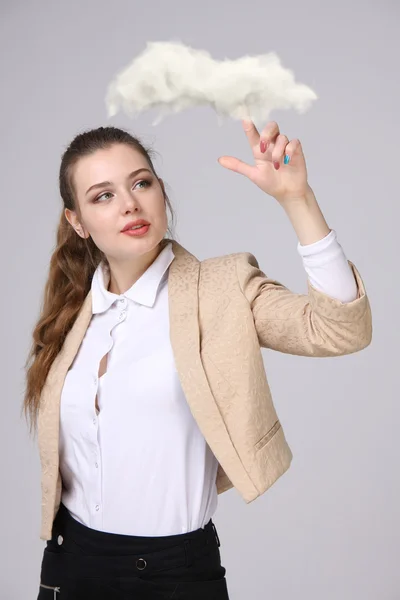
(335, 318)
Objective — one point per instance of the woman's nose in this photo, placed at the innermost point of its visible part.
(130, 202)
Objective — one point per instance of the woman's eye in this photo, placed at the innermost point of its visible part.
(143, 181)
(102, 196)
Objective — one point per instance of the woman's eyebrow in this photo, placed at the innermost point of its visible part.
(103, 183)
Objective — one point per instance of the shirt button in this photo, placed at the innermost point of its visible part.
(95, 379)
(94, 421)
(60, 540)
(122, 315)
(96, 465)
(97, 507)
(122, 300)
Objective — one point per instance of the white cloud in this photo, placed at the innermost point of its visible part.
(171, 77)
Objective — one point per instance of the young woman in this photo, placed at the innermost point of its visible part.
(146, 379)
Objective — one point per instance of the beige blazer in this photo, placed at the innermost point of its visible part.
(221, 311)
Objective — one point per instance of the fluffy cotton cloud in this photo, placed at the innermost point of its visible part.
(171, 77)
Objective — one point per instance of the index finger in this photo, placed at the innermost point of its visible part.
(251, 132)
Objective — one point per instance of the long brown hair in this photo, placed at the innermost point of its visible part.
(72, 266)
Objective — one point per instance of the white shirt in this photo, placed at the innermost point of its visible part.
(141, 466)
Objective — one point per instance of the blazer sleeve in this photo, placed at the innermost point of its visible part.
(312, 324)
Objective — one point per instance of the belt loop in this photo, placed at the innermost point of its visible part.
(216, 534)
(188, 552)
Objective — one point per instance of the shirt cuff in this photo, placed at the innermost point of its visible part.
(325, 248)
(328, 269)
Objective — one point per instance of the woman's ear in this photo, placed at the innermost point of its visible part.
(72, 219)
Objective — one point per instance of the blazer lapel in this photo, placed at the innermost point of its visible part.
(183, 282)
(183, 289)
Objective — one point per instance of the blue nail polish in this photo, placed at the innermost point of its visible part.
(286, 160)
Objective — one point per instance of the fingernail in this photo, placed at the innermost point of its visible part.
(286, 160)
(276, 165)
(263, 146)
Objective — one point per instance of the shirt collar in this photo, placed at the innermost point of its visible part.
(143, 291)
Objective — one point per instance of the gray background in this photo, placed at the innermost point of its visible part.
(329, 528)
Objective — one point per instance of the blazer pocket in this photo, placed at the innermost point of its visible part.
(268, 436)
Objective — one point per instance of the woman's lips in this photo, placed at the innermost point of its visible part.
(142, 230)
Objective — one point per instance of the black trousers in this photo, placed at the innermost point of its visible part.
(80, 563)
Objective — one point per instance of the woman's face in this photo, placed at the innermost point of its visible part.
(114, 187)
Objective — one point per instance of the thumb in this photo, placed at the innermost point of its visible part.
(234, 164)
